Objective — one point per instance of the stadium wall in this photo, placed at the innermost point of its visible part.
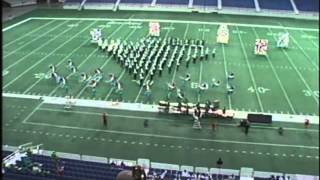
(147, 163)
(200, 9)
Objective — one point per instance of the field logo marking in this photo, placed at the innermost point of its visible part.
(104, 25)
(169, 28)
(238, 32)
(135, 26)
(204, 30)
(73, 25)
(41, 75)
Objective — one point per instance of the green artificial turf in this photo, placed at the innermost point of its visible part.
(290, 75)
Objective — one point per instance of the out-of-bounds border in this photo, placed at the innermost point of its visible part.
(16, 24)
(156, 165)
(154, 108)
(151, 108)
(175, 21)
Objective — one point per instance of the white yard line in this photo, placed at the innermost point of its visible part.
(35, 39)
(16, 24)
(200, 78)
(226, 74)
(106, 62)
(297, 71)
(24, 35)
(67, 56)
(82, 63)
(289, 118)
(31, 52)
(277, 77)
(175, 69)
(121, 75)
(305, 54)
(250, 72)
(303, 51)
(137, 97)
(181, 21)
(111, 90)
(315, 44)
(153, 135)
(201, 66)
(44, 58)
(168, 119)
(32, 112)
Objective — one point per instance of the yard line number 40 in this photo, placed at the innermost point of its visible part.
(260, 90)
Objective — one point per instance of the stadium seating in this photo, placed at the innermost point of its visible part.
(73, 1)
(307, 5)
(173, 2)
(77, 169)
(101, 1)
(238, 3)
(205, 2)
(137, 1)
(16, 3)
(275, 4)
(74, 169)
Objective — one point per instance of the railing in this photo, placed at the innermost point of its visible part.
(255, 11)
(147, 164)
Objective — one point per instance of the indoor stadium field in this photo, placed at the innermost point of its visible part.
(284, 83)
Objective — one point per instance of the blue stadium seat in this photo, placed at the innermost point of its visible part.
(307, 5)
(101, 1)
(275, 4)
(137, 1)
(173, 2)
(81, 170)
(73, 1)
(205, 2)
(238, 3)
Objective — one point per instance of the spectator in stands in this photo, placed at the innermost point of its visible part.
(306, 123)
(60, 170)
(125, 175)
(122, 165)
(232, 177)
(185, 174)
(54, 156)
(163, 174)
(113, 164)
(138, 173)
(197, 176)
(272, 177)
(219, 162)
